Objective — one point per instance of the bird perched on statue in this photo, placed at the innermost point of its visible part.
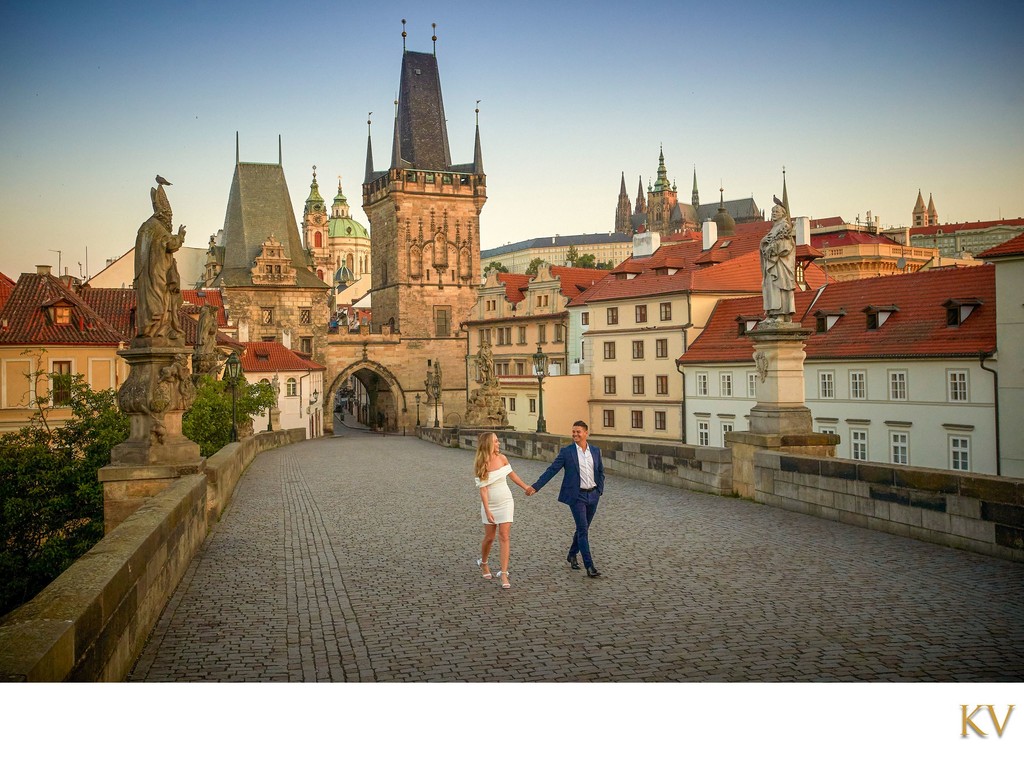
(161, 180)
(774, 198)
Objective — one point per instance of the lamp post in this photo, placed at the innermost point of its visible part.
(433, 384)
(233, 368)
(417, 410)
(540, 367)
(313, 399)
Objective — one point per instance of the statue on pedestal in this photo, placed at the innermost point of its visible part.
(157, 284)
(204, 357)
(485, 408)
(778, 266)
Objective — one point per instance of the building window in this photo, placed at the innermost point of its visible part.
(638, 385)
(636, 419)
(665, 311)
(491, 305)
(826, 385)
(703, 433)
(702, 383)
(61, 380)
(504, 336)
(725, 383)
(306, 345)
(751, 385)
(542, 300)
(859, 444)
(542, 333)
(442, 321)
(585, 318)
(62, 315)
(511, 403)
(858, 385)
(659, 420)
(899, 446)
(661, 348)
(608, 418)
(641, 314)
(268, 316)
(609, 386)
(609, 350)
(613, 315)
(959, 452)
(485, 337)
(501, 368)
(291, 387)
(897, 385)
(533, 406)
(520, 368)
(957, 384)
(638, 349)
(559, 333)
(829, 429)
(305, 316)
(726, 428)
(661, 384)
(521, 337)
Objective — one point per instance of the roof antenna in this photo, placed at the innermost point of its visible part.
(279, 153)
(478, 113)
(403, 35)
(236, 147)
(434, 38)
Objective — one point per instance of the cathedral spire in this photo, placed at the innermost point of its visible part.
(695, 195)
(641, 198)
(478, 154)
(785, 192)
(623, 217)
(662, 182)
(933, 215)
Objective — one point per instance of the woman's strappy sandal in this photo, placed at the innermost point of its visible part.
(504, 583)
(484, 569)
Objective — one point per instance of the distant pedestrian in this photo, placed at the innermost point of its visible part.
(491, 469)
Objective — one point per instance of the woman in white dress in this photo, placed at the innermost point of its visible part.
(491, 467)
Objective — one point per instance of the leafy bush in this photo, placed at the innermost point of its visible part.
(208, 422)
(51, 502)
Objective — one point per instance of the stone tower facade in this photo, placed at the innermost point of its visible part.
(662, 201)
(623, 212)
(314, 231)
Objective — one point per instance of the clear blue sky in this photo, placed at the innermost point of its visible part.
(863, 105)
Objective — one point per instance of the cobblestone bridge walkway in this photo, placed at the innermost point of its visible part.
(353, 559)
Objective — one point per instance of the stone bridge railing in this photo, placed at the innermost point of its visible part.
(91, 622)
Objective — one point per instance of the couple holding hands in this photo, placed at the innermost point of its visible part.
(582, 486)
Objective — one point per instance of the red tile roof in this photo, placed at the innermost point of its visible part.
(24, 319)
(1012, 247)
(948, 229)
(514, 285)
(918, 329)
(6, 287)
(828, 221)
(274, 357)
(574, 280)
(849, 237)
(207, 297)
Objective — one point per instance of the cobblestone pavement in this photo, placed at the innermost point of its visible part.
(353, 559)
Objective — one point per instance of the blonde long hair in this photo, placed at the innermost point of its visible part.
(484, 447)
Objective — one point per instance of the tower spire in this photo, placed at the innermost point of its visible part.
(694, 195)
(369, 150)
(662, 182)
(785, 192)
(478, 154)
(404, 35)
(433, 38)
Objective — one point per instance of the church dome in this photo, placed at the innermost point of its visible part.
(726, 224)
(343, 275)
(346, 227)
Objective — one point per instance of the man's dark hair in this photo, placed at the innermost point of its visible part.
(582, 424)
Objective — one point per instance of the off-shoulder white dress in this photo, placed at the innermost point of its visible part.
(499, 495)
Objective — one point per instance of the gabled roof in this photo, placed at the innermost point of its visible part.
(207, 297)
(267, 356)
(514, 285)
(575, 280)
(828, 221)
(849, 237)
(1012, 247)
(918, 329)
(6, 287)
(558, 241)
(24, 319)
(948, 229)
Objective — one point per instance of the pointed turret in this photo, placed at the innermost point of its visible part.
(920, 214)
(478, 153)
(315, 201)
(641, 198)
(726, 224)
(933, 215)
(339, 209)
(695, 195)
(785, 193)
(623, 217)
(396, 145)
(420, 126)
(369, 155)
(662, 182)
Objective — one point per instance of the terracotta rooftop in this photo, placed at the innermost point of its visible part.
(828, 221)
(207, 297)
(1012, 247)
(275, 357)
(849, 237)
(6, 286)
(918, 328)
(25, 318)
(514, 285)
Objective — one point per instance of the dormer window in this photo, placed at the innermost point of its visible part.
(746, 324)
(62, 315)
(826, 320)
(959, 309)
(877, 315)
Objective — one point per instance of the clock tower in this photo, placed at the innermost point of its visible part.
(314, 231)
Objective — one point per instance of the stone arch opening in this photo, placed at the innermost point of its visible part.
(366, 394)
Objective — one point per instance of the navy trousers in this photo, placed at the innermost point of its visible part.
(583, 514)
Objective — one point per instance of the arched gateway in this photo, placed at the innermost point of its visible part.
(369, 393)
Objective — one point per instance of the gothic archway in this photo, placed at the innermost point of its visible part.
(367, 393)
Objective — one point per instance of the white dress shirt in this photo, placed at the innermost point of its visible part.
(586, 467)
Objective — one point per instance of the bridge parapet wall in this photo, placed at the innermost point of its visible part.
(91, 622)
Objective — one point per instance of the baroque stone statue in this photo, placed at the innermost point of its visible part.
(778, 266)
(485, 363)
(157, 284)
(204, 358)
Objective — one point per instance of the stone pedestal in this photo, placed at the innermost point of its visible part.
(485, 408)
(275, 419)
(779, 420)
(155, 395)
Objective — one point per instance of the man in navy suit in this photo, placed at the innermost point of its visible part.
(582, 486)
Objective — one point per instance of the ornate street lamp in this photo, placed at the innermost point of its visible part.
(233, 370)
(417, 410)
(540, 368)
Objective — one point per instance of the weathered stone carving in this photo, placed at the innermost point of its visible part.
(205, 356)
(761, 362)
(778, 266)
(485, 408)
(157, 284)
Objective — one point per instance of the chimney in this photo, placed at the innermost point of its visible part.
(710, 234)
(645, 244)
(802, 228)
(42, 269)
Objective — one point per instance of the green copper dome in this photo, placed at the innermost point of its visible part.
(346, 227)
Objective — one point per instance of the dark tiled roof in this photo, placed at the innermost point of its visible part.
(1012, 247)
(739, 208)
(948, 229)
(917, 329)
(558, 241)
(24, 320)
(274, 357)
(422, 130)
(259, 206)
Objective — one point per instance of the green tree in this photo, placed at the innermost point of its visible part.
(531, 268)
(604, 265)
(587, 261)
(497, 266)
(572, 256)
(51, 501)
(208, 421)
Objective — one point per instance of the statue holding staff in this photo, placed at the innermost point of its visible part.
(778, 266)
(157, 284)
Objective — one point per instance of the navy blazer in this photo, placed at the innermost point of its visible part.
(569, 460)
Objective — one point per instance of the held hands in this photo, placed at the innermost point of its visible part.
(530, 490)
